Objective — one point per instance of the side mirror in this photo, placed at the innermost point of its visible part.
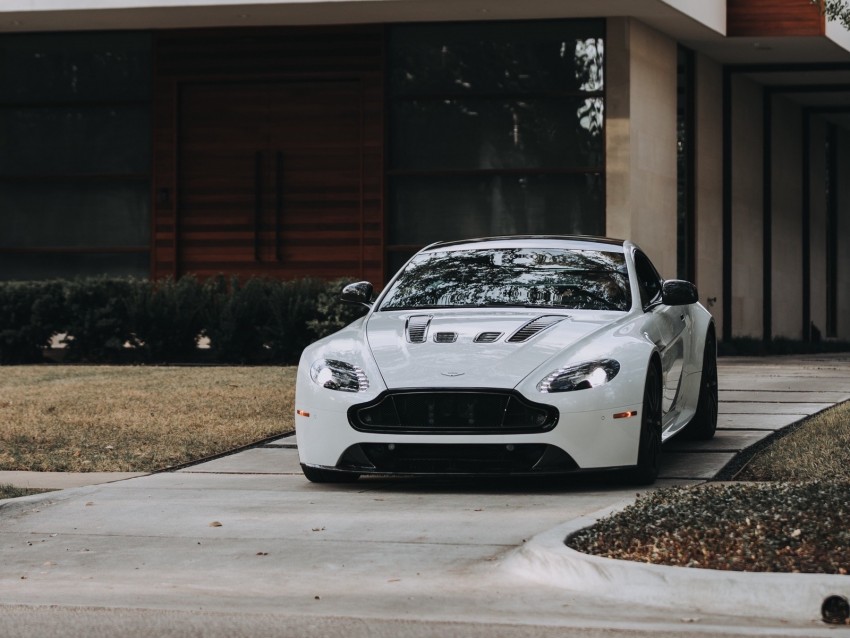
(358, 292)
(675, 292)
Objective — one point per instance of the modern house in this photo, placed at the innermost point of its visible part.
(329, 138)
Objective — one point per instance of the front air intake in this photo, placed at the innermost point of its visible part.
(417, 328)
(487, 337)
(534, 327)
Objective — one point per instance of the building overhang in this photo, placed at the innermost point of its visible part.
(678, 18)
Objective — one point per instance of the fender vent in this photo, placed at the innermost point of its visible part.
(533, 327)
(487, 337)
(417, 328)
(445, 337)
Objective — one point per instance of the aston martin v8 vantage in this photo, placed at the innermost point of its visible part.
(510, 355)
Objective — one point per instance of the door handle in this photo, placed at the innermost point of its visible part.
(258, 202)
(278, 210)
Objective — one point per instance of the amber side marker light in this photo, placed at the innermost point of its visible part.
(625, 415)
(302, 413)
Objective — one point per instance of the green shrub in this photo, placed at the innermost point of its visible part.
(167, 318)
(98, 321)
(259, 320)
(331, 313)
(30, 314)
(236, 317)
(292, 304)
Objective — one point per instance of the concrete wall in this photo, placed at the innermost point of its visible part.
(787, 220)
(746, 208)
(709, 186)
(641, 140)
(817, 211)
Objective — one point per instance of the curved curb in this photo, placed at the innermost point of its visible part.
(795, 597)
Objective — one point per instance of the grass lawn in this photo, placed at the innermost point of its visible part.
(136, 418)
(817, 450)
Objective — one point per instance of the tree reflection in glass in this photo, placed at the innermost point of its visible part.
(515, 277)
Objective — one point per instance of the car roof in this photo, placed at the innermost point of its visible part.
(586, 242)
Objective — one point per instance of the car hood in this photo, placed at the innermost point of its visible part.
(465, 363)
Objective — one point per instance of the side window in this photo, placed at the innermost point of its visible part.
(649, 280)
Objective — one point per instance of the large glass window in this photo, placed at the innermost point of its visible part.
(494, 128)
(74, 154)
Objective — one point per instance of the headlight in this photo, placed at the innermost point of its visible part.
(580, 377)
(339, 375)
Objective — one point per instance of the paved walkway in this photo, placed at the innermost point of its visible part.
(244, 545)
(758, 396)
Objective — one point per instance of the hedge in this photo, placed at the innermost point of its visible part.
(125, 320)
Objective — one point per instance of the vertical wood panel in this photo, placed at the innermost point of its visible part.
(314, 95)
(773, 18)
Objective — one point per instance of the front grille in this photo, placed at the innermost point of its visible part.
(452, 412)
(426, 458)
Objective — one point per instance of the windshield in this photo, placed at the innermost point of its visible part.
(525, 277)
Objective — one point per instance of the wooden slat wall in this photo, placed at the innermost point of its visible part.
(773, 18)
(323, 245)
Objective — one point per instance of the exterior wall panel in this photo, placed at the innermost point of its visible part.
(787, 192)
(709, 187)
(843, 229)
(773, 18)
(817, 206)
(641, 188)
(746, 208)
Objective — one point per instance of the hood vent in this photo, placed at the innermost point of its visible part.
(417, 328)
(487, 337)
(533, 327)
(445, 337)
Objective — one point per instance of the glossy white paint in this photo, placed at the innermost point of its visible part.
(586, 430)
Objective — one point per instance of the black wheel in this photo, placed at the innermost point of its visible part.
(649, 446)
(318, 475)
(704, 423)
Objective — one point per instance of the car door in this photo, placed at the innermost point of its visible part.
(666, 326)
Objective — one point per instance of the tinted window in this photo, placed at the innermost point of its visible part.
(519, 277)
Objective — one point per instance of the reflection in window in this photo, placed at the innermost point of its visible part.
(495, 128)
(524, 277)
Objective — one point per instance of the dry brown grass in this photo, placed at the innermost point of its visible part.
(10, 491)
(139, 419)
(817, 450)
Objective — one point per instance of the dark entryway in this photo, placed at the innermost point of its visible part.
(268, 172)
(268, 153)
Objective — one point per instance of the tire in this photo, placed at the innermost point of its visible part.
(704, 423)
(649, 445)
(318, 475)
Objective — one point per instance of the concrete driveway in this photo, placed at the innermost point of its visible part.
(244, 545)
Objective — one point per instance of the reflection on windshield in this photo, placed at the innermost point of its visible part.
(550, 278)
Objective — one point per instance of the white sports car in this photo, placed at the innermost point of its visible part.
(510, 355)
